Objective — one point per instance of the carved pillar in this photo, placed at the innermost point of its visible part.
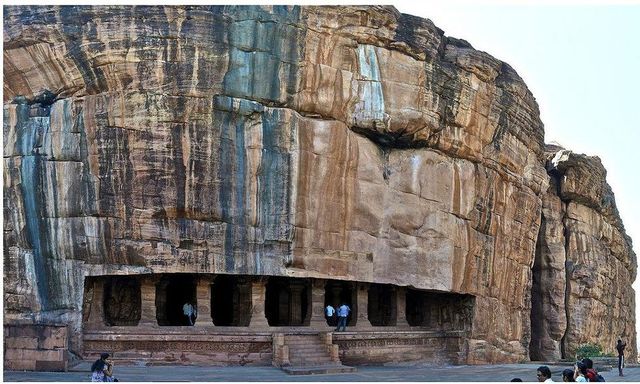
(401, 307)
(363, 305)
(148, 300)
(317, 304)
(203, 301)
(96, 310)
(258, 298)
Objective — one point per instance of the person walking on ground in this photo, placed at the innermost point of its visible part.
(102, 369)
(189, 311)
(620, 347)
(330, 314)
(343, 312)
(544, 374)
(567, 375)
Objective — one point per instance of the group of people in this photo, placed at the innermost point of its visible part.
(342, 312)
(582, 371)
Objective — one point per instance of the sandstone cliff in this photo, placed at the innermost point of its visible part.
(584, 262)
(354, 143)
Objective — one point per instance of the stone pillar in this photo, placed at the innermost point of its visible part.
(318, 320)
(203, 301)
(363, 305)
(295, 303)
(96, 309)
(258, 298)
(280, 351)
(401, 307)
(148, 300)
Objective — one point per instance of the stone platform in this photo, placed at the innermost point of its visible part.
(213, 346)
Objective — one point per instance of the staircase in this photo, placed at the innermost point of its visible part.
(307, 354)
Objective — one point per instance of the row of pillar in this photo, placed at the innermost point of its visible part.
(258, 298)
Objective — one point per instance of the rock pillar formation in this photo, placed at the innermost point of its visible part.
(337, 143)
(584, 262)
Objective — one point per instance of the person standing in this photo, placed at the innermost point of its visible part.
(343, 312)
(620, 347)
(189, 311)
(330, 314)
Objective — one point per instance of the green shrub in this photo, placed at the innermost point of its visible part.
(589, 350)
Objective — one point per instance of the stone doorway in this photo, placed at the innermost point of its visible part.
(122, 301)
(288, 302)
(231, 301)
(172, 292)
(382, 309)
(337, 293)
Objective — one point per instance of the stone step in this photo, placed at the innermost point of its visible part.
(301, 337)
(306, 348)
(319, 370)
(306, 363)
(308, 355)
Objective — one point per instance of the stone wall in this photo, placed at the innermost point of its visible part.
(377, 348)
(352, 143)
(35, 347)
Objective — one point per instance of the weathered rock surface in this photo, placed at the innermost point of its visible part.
(585, 262)
(333, 142)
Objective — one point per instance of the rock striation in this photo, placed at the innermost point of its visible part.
(584, 262)
(352, 143)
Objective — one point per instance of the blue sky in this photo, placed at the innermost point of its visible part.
(581, 62)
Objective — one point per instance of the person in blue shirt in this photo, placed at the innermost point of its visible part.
(343, 312)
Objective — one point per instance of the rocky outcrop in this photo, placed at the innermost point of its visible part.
(352, 143)
(585, 262)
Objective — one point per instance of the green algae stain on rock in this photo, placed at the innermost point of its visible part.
(264, 53)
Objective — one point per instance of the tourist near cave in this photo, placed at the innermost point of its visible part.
(255, 164)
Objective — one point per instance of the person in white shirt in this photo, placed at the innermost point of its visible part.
(189, 311)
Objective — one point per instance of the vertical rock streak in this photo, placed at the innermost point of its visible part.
(30, 131)
(370, 108)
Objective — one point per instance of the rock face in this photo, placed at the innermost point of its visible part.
(351, 143)
(584, 262)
